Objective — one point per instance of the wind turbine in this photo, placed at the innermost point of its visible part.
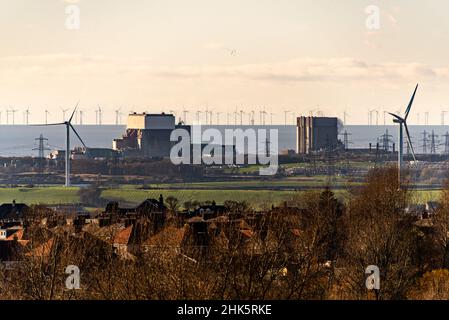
(81, 117)
(286, 112)
(99, 114)
(264, 114)
(173, 112)
(46, 116)
(26, 116)
(443, 115)
(207, 115)
(185, 112)
(63, 113)
(68, 125)
(253, 116)
(13, 111)
(218, 117)
(118, 116)
(403, 123)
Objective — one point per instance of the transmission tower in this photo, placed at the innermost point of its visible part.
(433, 143)
(346, 141)
(386, 140)
(41, 149)
(446, 143)
(425, 141)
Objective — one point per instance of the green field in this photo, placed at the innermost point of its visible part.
(48, 195)
(131, 195)
(258, 198)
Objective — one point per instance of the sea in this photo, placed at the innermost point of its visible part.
(21, 140)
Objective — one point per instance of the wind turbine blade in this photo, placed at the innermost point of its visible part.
(74, 110)
(48, 124)
(78, 135)
(396, 116)
(409, 140)
(407, 111)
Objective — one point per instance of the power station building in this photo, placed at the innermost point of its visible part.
(147, 135)
(316, 134)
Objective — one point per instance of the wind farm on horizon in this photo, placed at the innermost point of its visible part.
(247, 116)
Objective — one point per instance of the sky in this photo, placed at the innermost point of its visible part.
(305, 57)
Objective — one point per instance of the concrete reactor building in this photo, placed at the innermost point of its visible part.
(147, 135)
(316, 133)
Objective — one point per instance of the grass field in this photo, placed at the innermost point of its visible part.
(132, 196)
(287, 183)
(48, 195)
(258, 199)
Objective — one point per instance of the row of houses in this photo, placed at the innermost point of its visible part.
(129, 231)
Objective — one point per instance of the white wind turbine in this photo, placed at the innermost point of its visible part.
(68, 125)
(403, 123)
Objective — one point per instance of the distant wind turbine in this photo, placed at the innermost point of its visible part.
(63, 113)
(99, 114)
(118, 116)
(13, 111)
(285, 115)
(46, 116)
(26, 116)
(185, 112)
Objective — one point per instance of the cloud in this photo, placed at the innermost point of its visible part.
(295, 70)
(215, 46)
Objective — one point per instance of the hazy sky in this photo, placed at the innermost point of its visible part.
(159, 55)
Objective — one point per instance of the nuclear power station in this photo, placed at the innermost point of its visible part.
(147, 135)
(316, 134)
